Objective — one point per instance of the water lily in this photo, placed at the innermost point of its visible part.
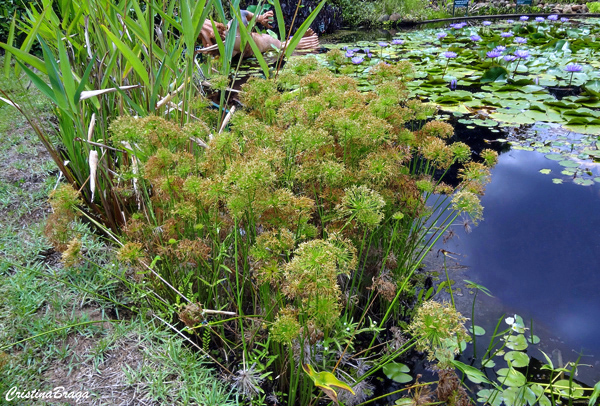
(486, 23)
(510, 58)
(357, 60)
(520, 54)
(441, 35)
(553, 17)
(500, 48)
(397, 42)
(475, 38)
(349, 53)
(448, 55)
(506, 34)
(382, 45)
(458, 26)
(564, 19)
(510, 21)
(540, 19)
(523, 18)
(573, 67)
(520, 40)
(494, 54)
(453, 84)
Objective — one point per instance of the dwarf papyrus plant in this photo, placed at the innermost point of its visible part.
(303, 221)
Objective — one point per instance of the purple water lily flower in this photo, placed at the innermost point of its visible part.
(510, 58)
(510, 21)
(506, 34)
(520, 40)
(564, 19)
(449, 54)
(456, 26)
(441, 35)
(536, 80)
(349, 53)
(344, 48)
(453, 84)
(357, 60)
(486, 23)
(522, 54)
(494, 54)
(475, 38)
(553, 17)
(573, 67)
(540, 19)
(500, 48)
(523, 18)
(366, 50)
(383, 44)
(397, 42)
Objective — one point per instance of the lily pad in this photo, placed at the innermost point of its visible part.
(511, 377)
(477, 330)
(545, 171)
(397, 372)
(517, 359)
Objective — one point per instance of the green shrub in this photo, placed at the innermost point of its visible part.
(594, 7)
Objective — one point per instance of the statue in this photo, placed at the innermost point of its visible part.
(264, 42)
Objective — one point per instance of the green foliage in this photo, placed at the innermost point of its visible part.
(594, 7)
(8, 9)
(355, 13)
(305, 212)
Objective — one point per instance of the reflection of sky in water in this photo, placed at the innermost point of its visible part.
(538, 248)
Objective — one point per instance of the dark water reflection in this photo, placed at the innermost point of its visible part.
(538, 251)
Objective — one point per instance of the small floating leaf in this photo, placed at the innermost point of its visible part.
(511, 377)
(517, 358)
(555, 157)
(488, 363)
(478, 331)
(397, 372)
(569, 389)
(517, 342)
(568, 164)
(583, 182)
(535, 339)
(545, 171)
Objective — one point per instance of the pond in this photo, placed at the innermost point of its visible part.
(537, 251)
(529, 89)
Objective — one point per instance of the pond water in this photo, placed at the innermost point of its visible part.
(537, 251)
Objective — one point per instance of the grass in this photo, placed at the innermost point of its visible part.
(71, 326)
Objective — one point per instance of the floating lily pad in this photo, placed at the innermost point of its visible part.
(533, 339)
(568, 164)
(517, 359)
(557, 181)
(511, 377)
(488, 363)
(477, 330)
(397, 372)
(516, 342)
(583, 182)
(545, 171)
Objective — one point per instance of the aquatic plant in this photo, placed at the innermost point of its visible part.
(572, 68)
